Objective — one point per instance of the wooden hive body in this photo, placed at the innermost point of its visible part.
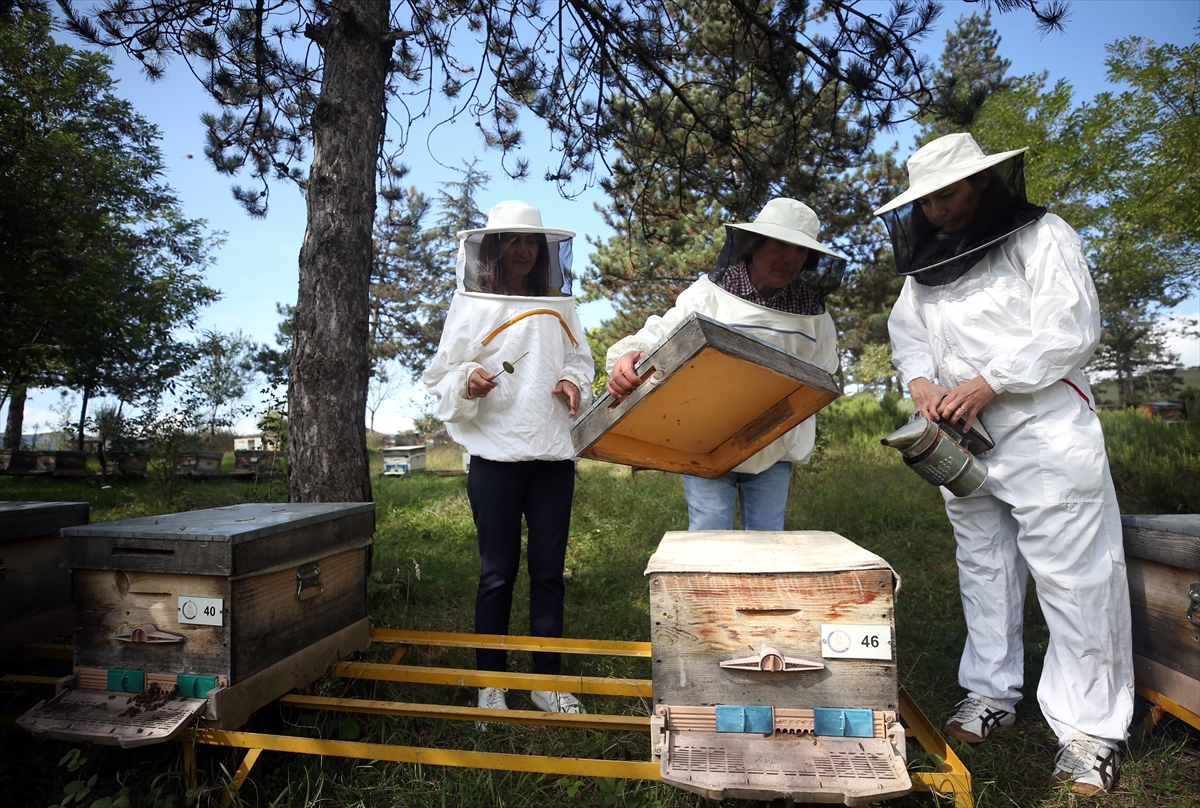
(237, 605)
(711, 398)
(35, 590)
(788, 632)
(1162, 554)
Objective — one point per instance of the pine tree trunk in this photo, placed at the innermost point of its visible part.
(16, 417)
(327, 441)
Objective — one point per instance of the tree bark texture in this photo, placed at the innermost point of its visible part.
(16, 416)
(327, 441)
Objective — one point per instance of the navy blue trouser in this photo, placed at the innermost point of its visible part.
(500, 494)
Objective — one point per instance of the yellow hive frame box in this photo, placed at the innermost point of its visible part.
(711, 397)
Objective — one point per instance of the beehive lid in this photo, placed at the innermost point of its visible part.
(99, 716)
(711, 398)
(752, 552)
(232, 540)
(24, 520)
(1172, 539)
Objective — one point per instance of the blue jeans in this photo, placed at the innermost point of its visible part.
(763, 497)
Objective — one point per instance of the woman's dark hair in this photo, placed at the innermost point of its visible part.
(993, 215)
(491, 277)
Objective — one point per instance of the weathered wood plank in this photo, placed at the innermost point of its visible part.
(1176, 549)
(700, 620)
(33, 583)
(230, 707)
(113, 602)
(1158, 595)
(1180, 688)
(25, 520)
(270, 622)
(211, 557)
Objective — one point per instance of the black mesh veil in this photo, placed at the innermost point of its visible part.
(482, 272)
(822, 272)
(935, 258)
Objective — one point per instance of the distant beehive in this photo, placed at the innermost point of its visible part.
(774, 667)
(399, 460)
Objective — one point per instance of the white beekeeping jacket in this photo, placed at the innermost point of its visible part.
(810, 337)
(519, 419)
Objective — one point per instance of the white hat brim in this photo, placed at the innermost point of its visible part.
(516, 228)
(948, 177)
(789, 235)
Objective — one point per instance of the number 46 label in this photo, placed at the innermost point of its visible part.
(841, 640)
(201, 611)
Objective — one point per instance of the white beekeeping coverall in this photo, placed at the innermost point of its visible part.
(1026, 318)
(540, 336)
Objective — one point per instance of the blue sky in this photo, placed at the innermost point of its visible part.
(257, 266)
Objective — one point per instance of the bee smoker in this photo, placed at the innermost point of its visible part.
(932, 452)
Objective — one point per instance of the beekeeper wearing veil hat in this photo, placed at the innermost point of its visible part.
(770, 282)
(511, 372)
(995, 322)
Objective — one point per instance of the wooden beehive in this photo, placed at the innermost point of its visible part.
(711, 397)
(774, 667)
(35, 590)
(228, 608)
(1162, 554)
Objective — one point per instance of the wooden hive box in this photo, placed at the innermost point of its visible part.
(711, 397)
(224, 610)
(1162, 554)
(35, 590)
(774, 667)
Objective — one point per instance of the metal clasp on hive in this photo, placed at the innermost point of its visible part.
(307, 577)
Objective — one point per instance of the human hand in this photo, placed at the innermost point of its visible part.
(569, 393)
(964, 402)
(480, 383)
(624, 379)
(926, 396)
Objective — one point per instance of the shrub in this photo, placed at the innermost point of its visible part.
(1155, 465)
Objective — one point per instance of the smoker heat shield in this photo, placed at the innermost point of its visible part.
(711, 397)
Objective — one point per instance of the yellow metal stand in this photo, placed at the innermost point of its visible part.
(1159, 705)
(951, 779)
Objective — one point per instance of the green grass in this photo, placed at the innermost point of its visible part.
(425, 565)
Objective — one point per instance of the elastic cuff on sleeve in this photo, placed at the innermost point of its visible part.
(993, 382)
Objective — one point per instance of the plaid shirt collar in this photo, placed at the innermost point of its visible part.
(798, 297)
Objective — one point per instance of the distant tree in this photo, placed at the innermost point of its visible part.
(969, 71)
(98, 267)
(405, 262)
(1122, 170)
(222, 374)
(273, 363)
(563, 63)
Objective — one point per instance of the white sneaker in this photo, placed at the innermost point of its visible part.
(491, 698)
(551, 701)
(1086, 764)
(976, 720)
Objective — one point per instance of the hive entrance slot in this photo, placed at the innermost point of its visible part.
(150, 551)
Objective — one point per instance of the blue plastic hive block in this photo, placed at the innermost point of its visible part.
(751, 718)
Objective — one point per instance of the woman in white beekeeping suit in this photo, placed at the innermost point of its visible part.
(510, 373)
(770, 282)
(995, 322)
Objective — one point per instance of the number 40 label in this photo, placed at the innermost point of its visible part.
(840, 640)
(201, 611)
